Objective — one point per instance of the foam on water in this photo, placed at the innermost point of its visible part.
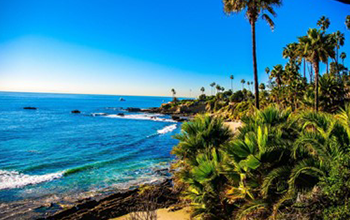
(167, 129)
(142, 117)
(14, 179)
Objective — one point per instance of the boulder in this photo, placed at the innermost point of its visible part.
(121, 114)
(75, 112)
(30, 108)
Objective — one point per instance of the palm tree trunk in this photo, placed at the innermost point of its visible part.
(337, 59)
(304, 69)
(327, 65)
(316, 67)
(255, 66)
(231, 85)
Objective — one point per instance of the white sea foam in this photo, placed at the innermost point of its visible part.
(167, 129)
(154, 117)
(14, 179)
(98, 114)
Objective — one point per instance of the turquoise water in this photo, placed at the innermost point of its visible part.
(50, 151)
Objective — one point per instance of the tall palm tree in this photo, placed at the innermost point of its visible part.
(243, 82)
(278, 73)
(212, 87)
(339, 40)
(253, 10)
(323, 23)
(316, 47)
(248, 83)
(202, 90)
(231, 77)
(173, 92)
(218, 88)
(343, 56)
(291, 52)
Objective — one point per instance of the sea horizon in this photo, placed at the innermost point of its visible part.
(72, 93)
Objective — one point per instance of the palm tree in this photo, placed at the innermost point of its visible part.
(278, 73)
(339, 39)
(173, 92)
(290, 51)
(231, 77)
(202, 90)
(343, 56)
(347, 22)
(323, 23)
(316, 47)
(262, 86)
(212, 87)
(198, 151)
(248, 83)
(243, 82)
(253, 9)
(218, 88)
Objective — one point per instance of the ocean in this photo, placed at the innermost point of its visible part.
(50, 155)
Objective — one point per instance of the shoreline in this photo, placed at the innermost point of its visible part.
(49, 206)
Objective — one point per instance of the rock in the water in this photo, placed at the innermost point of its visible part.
(133, 109)
(75, 112)
(30, 108)
(120, 114)
(175, 117)
(179, 118)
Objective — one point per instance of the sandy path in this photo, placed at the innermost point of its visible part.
(234, 125)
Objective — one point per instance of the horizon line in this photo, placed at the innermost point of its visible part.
(71, 93)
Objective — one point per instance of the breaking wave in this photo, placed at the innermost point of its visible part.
(14, 179)
(167, 129)
(142, 117)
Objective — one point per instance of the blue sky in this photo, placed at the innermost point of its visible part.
(143, 47)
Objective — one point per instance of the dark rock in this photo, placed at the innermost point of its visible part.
(30, 108)
(162, 195)
(179, 118)
(133, 109)
(75, 112)
(175, 117)
(121, 114)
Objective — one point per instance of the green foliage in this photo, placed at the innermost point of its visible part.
(336, 189)
(275, 157)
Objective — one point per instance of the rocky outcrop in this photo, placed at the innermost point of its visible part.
(130, 109)
(118, 204)
(185, 109)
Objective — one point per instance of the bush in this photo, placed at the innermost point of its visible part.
(336, 189)
(237, 96)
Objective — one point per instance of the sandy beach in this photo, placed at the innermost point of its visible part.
(165, 214)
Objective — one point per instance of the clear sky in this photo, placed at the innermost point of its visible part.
(143, 47)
